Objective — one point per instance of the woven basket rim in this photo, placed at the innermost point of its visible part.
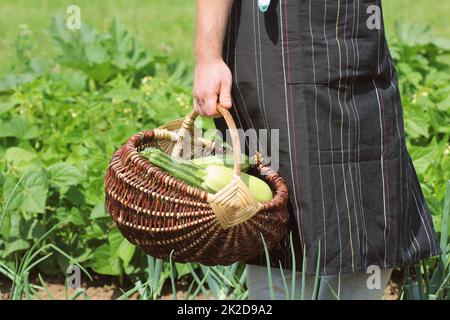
(129, 152)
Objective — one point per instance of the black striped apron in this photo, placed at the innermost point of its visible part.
(320, 71)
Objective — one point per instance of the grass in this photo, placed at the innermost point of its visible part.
(163, 25)
(432, 12)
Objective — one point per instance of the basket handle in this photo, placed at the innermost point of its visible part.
(234, 203)
(187, 128)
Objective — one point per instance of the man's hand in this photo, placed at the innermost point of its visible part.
(212, 84)
(212, 78)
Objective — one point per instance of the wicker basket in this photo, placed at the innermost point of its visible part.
(165, 216)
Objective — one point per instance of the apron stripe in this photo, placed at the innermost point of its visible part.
(382, 170)
(341, 136)
(318, 141)
(296, 191)
(349, 164)
(331, 138)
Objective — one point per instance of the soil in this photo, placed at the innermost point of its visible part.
(394, 287)
(109, 288)
(101, 288)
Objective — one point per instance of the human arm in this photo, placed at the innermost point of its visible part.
(212, 77)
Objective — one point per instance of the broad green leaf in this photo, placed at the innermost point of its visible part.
(99, 211)
(38, 65)
(16, 225)
(31, 193)
(19, 128)
(6, 227)
(19, 156)
(182, 269)
(85, 256)
(126, 251)
(12, 81)
(64, 174)
(94, 231)
(120, 247)
(444, 105)
(115, 239)
(17, 245)
(74, 81)
(34, 229)
(76, 217)
(103, 263)
(416, 126)
(95, 53)
(72, 215)
(75, 196)
(49, 267)
(6, 106)
(119, 36)
(101, 72)
(60, 31)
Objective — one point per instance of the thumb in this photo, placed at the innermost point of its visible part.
(225, 93)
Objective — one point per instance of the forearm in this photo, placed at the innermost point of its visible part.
(212, 16)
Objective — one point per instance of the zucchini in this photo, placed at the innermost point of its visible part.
(182, 169)
(211, 178)
(222, 160)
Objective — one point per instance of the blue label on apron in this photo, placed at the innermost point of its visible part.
(263, 5)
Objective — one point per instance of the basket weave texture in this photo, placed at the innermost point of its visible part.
(167, 217)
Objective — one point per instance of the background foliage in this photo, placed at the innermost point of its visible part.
(61, 123)
(69, 99)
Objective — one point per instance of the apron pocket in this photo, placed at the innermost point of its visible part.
(348, 61)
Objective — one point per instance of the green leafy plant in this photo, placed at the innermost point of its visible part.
(431, 279)
(57, 134)
(102, 56)
(422, 60)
